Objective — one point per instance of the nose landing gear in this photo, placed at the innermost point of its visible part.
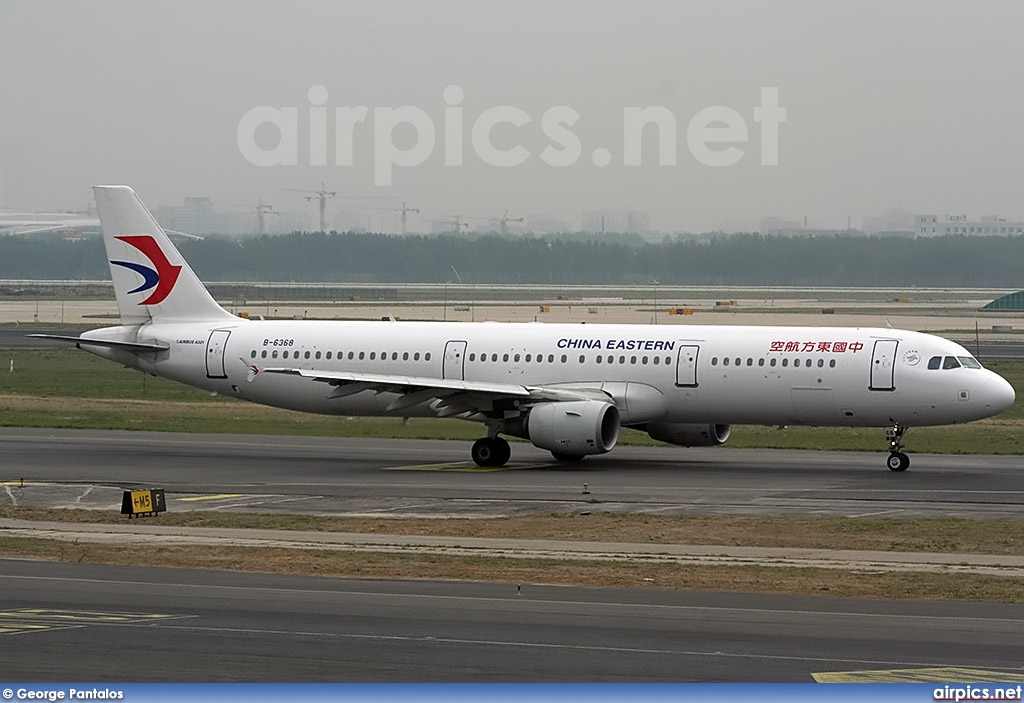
(897, 461)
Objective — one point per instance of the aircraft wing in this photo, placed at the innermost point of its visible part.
(457, 396)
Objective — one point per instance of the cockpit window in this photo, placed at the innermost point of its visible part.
(935, 363)
(950, 362)
(969, 361)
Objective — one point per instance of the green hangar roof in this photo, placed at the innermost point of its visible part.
(1010, 301)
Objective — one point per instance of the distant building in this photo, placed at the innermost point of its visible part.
(621, 221)
(546, 224)
(197, 216)
(987, 225)
(892, 222)
(777, 225)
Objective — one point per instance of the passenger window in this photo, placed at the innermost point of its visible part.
(551, 358)
(725, 361)
(644, 361)
(632, 360)
(582, 358)
(657, 360)
(515, 358)
(785, 362)
(773, 361)
(253, 354)
(394, 356)
(760, 362)
(307, 355)
(426, 357)
(405, 356)
(821, 363)
(599, 357)
(796, 363)
(284, 355)
(472, 357)
(373, 356)
(273, 354)
(622, 359)
(564, 358)
(362, 355)
(738, 361)
(416, 356)
(714, 360)
(263, 354)
(529, 358)
(668, 360)
(750, 362)
(832, 363)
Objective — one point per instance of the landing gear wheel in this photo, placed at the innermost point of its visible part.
(898, 461)
(567, 458)
(491, 451)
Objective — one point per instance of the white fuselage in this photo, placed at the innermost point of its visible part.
(673, 373)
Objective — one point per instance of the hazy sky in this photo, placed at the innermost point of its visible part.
(915, 104)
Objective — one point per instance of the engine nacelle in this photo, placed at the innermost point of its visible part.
(689, 435)
(576, 427)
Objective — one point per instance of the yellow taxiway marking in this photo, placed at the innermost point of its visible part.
(219, 496)
(953, 674)
(464, 466)
(23, 620)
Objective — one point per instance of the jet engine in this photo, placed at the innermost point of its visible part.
(573, 428)
(689, 435)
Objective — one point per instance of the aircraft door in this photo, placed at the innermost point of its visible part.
(686, 365)
(215, 348)
(454, 360)
(883, 359)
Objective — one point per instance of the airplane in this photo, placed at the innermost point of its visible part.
(566, 388)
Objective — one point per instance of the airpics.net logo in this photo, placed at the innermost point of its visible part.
(716, 136)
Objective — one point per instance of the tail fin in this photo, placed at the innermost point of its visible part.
(151, 280)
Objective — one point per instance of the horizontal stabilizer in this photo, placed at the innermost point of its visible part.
(127, 346)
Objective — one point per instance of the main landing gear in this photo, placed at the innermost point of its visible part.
(491, 451)
(897, 461)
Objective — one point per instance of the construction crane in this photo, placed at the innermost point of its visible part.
(461, 221)
(261, 211)
(322, 195)
(505, 219)
(405, 210)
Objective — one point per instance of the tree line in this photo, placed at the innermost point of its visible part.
(735, 259)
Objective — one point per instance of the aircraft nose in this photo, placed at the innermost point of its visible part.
(1000, 394)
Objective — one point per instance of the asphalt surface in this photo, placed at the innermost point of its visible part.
(67, 622)
(61, 622)
(50, 467)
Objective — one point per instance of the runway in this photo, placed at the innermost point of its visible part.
(68, 622)
(50, 467)
(61, 622)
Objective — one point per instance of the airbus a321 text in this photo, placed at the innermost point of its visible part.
(566, 388)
